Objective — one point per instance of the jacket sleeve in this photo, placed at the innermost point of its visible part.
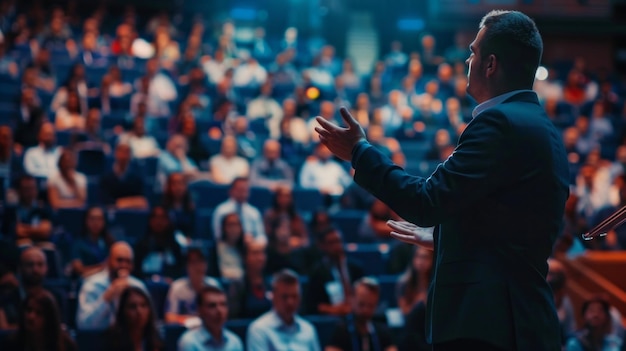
(475, 169)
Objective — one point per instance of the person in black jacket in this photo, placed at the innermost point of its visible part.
(498, 200)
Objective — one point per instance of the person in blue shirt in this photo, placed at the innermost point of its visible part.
(211, 335)
(89, 251)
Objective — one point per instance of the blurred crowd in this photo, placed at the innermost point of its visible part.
(162, 179)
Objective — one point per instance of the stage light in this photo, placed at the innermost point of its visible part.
(312, 93)
(542, 73)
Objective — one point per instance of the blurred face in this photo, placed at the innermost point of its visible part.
(255, 257)
(139, 127)
(33, 317)
(444, 72)
(232, 228)
(286, 300)
(240, 191)
(177, 185)
(272, 150)
(453, 105)
(229, 147)
(595, 316)
(289, 107)
(214, 310)
(33, 267)
(6, 137)
(570, 137)
(68, 161)
(327, 110)
(333, 245)
(365, 303)
(46, 135)
(72, 102)
(93, 120)
(475, 75)
(159, 221)
(28, 191)
(120, 261)
(95, 221)
(123, 154)
(196, 266)
(375, 134)
(137, 310)
(422, 260)
(284, 197)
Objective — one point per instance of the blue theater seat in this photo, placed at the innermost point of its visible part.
(158, 293)
(70, 219)
(91, 340)
(325, 326)
(92, 162)
(371, 256)
(203, 229)
(388, 284)
(307, 200)
(208, 195)
(128, 224)
(348, 222)
(171, 333)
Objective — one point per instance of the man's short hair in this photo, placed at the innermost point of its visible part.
(514, 39)
(195, 252)
(285, 276)
(237, 180)
(324, 233)
(369, 283)
(208, 289)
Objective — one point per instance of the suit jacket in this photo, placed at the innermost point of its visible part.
(316, 292)
(499, 201)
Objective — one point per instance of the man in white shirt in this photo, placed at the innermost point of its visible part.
(281, 328)
(250, 74)
(41, 160)
(141, 144)
(265, 107)
(183, 293)
(227, 165)
(100, 293)
(323, 173)
(327, 111)
(211, 335)
(249, 215)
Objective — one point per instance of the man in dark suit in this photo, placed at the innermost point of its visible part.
(498, 201)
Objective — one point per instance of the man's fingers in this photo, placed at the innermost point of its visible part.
(409, 239)
(327, 125)
(322, 132)
(350, 121)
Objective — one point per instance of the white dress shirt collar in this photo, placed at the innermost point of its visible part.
(496, 101)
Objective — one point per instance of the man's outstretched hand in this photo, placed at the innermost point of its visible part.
(412, 234)
(340, 140)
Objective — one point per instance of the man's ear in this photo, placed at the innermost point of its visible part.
(491, 65)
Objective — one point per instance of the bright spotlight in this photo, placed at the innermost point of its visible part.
(542, 73)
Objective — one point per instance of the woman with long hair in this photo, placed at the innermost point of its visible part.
(158, 252)
(230, 248)
(178, 202)
(135, 324)
(90, 250)
(413, 284)
(40, 327)
(67, 188)
(71, 115)
(596, 334)
(284, 210)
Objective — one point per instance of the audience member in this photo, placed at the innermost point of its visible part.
(412, 287)
(41, 160)
(174, 159)
(32, 116)
(10, 299)
(67, 188)
(230, 248)
(557, 279)
(249, 215)
(331, 280)
(281, 328)
(70, 117)
(359, 331)
(226, 166)
(323, 173)
(29, 221)
(40, 327)
(135, 323)
(270, 171)
(159, 253)
(141, 144)
(10, 161)
(183, 292)
(123, 187)
(248, 297)
(100, 293)
(283, 210)
(596, 332)
(211, 335)
(179, 204)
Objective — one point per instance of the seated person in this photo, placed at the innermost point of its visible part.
(230, 248)
(596, 334)
(141, 144)
(281, 328)
(100, 293)
(174, 159)
(90, 249)
(248, 297)
(10, 299)
(226, 166)
(67, 188)
(270, 171)
(359, 331)
(182, 295)
(40, 327)
(158, 252)
(29, 221)
(211, 335)
(332, 278)
(123, 186)
(135, 323)
(179, 204)
(41, 160)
